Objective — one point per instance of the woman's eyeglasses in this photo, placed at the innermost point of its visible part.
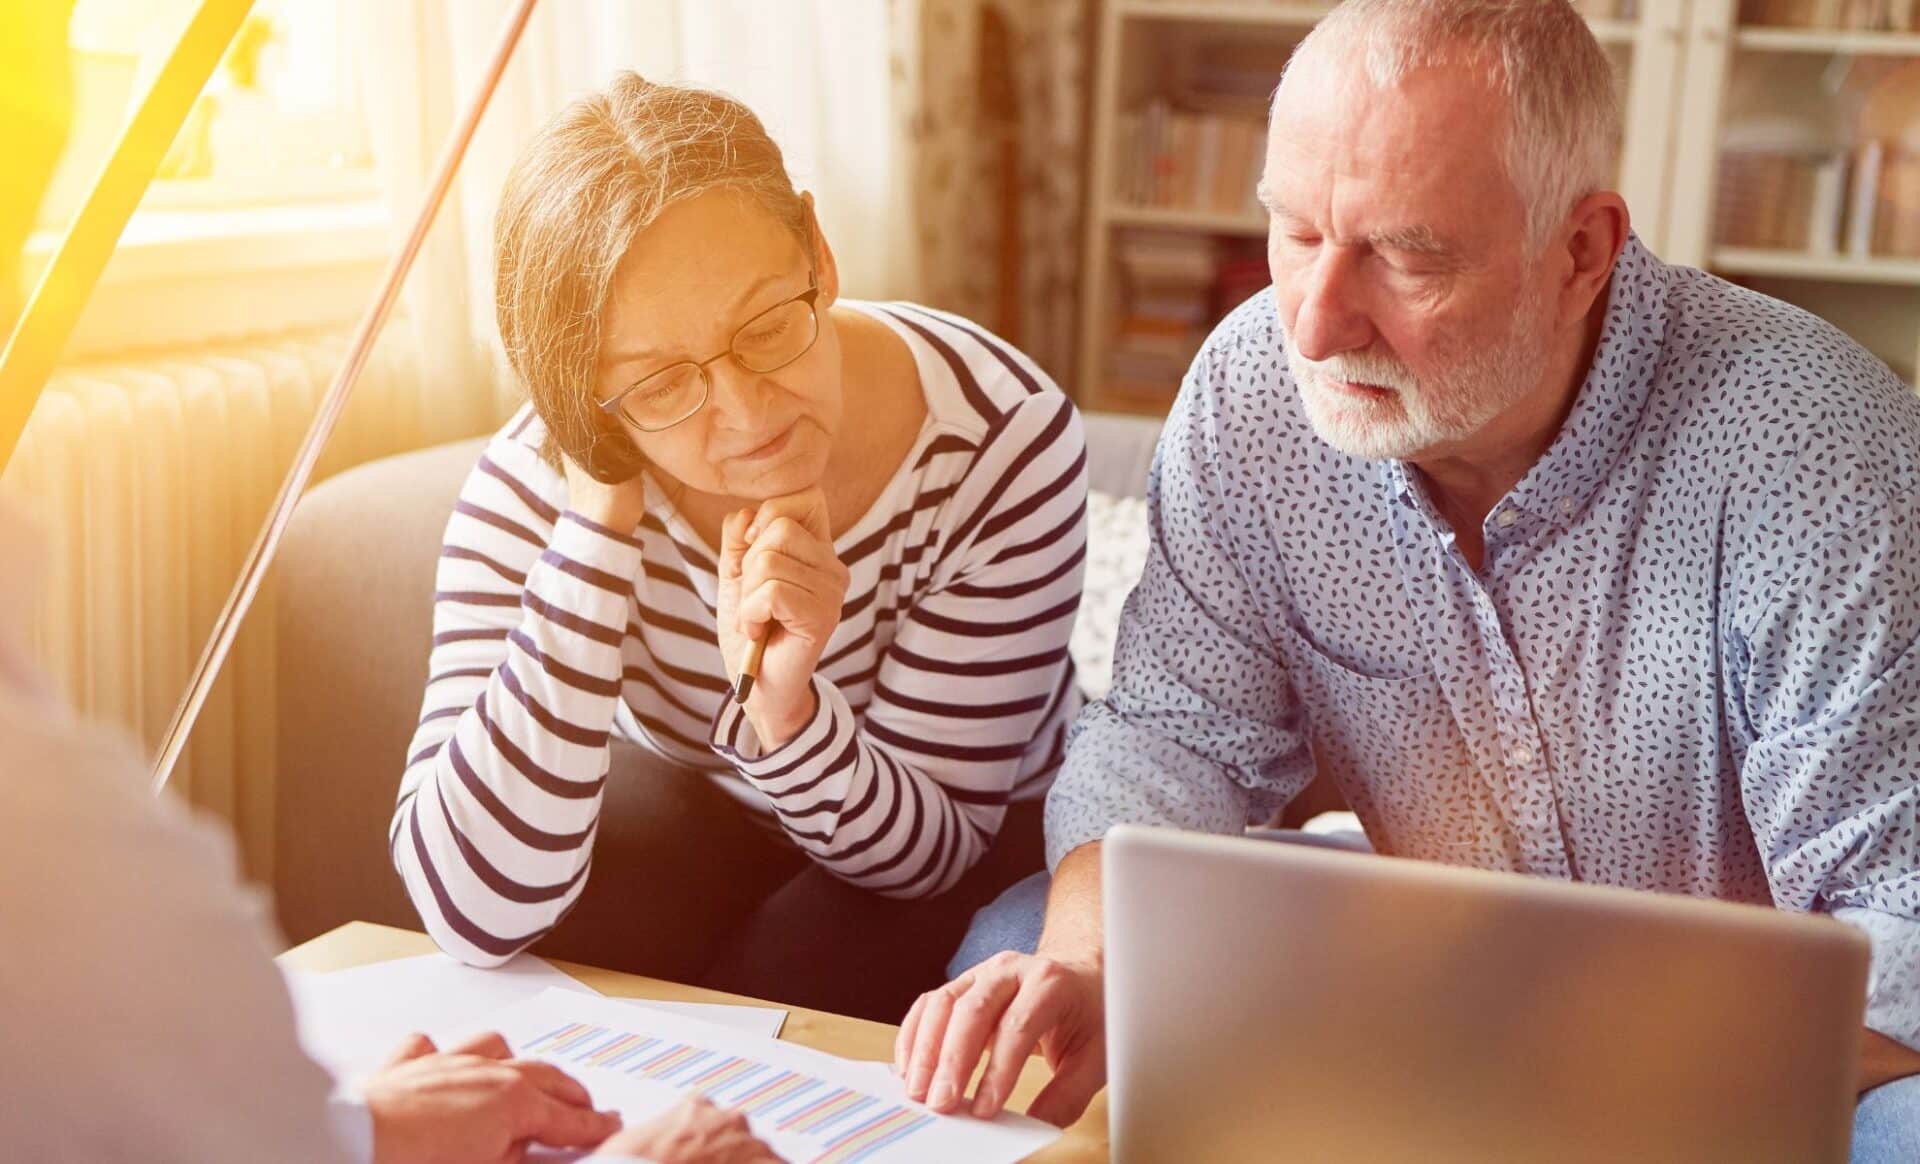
(768, 342)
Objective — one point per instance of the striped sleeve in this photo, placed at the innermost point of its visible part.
(906, 800)
(498, 805)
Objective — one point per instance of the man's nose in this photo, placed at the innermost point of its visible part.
(1330, 318)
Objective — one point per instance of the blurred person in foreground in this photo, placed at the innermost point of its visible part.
(142, 1014)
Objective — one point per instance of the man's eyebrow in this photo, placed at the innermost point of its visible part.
(1419, 238)
(635, 355)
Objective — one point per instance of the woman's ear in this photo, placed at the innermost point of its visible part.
(826, 272)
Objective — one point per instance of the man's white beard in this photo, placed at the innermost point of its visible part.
(1418, 416)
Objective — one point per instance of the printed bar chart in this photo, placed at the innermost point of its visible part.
(854, 1126)
(808, 1106)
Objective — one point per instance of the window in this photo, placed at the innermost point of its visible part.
(279, 122)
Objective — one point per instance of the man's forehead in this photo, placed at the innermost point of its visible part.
(1455, 94)
(1435, 130)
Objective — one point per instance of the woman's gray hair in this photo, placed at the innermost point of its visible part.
(1564, 128)
(589, 181)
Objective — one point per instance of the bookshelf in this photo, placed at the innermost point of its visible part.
(1800, 40)
(1226, 12)
(1797, 160)
(1828, 268)
(1149, 248)
(1704, 84)
(1222, 222)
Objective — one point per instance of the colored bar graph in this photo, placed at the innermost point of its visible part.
(848, 1125)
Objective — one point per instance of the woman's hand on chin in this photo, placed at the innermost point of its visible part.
(779, 579)
(619, 507)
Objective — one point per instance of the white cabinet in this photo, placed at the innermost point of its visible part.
(1821, 126)
(1175, 80)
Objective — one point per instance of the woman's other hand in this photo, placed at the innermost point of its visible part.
(779, 578)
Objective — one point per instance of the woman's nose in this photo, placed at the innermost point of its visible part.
(739, 396)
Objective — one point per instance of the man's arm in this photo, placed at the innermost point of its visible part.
(1828, 684)
(1075, 929)
(1201, 731)
(1882, 1060)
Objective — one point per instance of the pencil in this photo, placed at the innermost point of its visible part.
(749, 670)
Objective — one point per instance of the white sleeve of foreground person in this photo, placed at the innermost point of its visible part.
(144, 1019)
(143, 1016)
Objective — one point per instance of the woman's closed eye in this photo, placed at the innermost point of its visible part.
(766, 334)
(657, 393)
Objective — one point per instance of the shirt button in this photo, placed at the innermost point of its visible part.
(1505, 518)
(1566, 506)
(1521, 755)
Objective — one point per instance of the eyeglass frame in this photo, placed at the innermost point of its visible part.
(615, 407)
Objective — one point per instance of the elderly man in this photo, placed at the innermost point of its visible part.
(1556, 558)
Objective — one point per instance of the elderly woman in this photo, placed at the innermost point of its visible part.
(722, 457)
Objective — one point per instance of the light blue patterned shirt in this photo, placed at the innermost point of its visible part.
(1688, 664)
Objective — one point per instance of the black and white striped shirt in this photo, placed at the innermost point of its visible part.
(944, 694)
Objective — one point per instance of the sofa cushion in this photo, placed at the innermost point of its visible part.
(1116, 554)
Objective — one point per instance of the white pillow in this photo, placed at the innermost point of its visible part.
(1116, 555)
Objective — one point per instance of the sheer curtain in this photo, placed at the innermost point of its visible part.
(995, 98)
(819, 72)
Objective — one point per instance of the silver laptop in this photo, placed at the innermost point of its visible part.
(1277, 1002)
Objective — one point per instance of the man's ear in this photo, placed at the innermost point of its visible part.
(826, 271)
(1596, 233)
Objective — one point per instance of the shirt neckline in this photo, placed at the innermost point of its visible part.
(1606, 411)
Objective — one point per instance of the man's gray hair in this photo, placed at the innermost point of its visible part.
(1564, 127)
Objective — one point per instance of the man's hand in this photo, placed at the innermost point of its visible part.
(1014, 1003)
(475, 1105)
(618, 507)
(1011, 1003)
(779, 579)
(695, 1132)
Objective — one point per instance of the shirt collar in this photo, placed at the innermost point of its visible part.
(1605, 413)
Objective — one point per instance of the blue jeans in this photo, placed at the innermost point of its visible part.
(1886, 1125)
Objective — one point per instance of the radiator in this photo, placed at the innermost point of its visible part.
(150, 480)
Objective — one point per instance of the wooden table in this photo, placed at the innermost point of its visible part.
(359, 943)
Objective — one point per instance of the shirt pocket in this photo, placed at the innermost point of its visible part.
(1390, 744)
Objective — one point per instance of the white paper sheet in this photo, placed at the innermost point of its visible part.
(350, 1020)
(810, 1107)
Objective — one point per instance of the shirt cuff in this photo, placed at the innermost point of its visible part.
(1893, 980)
(1116, 773)
(352, 1125)
(817, 744)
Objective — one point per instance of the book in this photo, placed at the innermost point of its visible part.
(1864, 203)
(1828, 205)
